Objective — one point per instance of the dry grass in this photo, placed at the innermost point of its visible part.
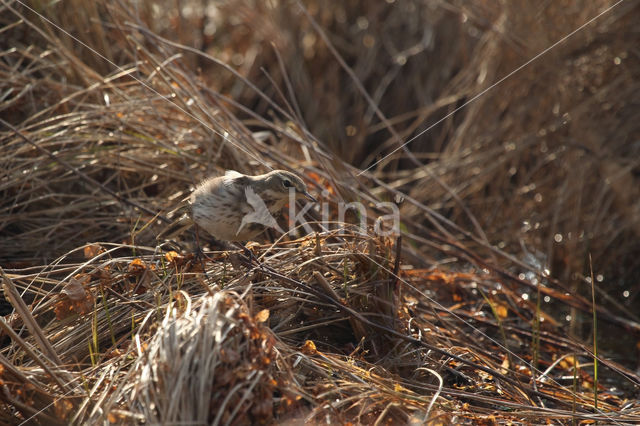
(312, 331)
(515, 189)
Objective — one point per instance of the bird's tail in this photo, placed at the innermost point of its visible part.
(181, 222)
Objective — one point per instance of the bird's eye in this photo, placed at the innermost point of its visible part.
(287, 184)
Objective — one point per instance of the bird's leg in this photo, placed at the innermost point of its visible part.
(198, 252)
(172, 245)
(248, 254)
(200, 255)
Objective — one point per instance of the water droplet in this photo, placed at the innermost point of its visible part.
(210, 28)
(237, 59)
(362, 22)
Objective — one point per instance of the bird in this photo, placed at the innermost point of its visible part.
(236, 207)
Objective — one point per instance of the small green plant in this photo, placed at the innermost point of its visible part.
(595, 338)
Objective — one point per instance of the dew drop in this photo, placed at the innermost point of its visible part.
(362, 22)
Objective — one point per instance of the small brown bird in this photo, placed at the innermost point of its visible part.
(237, 207)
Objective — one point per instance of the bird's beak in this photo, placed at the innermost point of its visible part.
(309, 197)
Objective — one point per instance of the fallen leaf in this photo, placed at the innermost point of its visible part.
(137, 266)
(174, 257)
(502, 311)
(74, 300)
(92, 250)
(262, 316)
(309, 348)
(74, 290)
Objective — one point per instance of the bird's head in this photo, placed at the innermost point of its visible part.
(278, 183)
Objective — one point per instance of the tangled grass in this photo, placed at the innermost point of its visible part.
(311, 328)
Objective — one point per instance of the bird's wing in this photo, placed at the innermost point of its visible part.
(260, 213)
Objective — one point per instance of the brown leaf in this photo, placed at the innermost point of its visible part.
(92, 250)
(74, 300)
(74, 290)
(174, 257)
(137, 266)
(309, 348)
(502, 311)
(262, 316)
